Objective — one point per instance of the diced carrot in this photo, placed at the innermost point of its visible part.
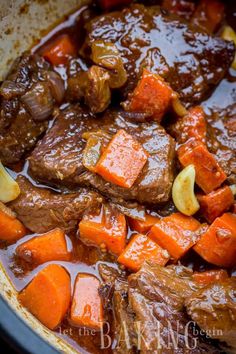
(175, 233)
(218, 244)
(210, 276)
(48, 295)
(209, 174)
(193, 125)
(44, 248)
(143, 226)
(140, 249)
(86, 309)
(209, 14)
(122, 161)
(110, 4)
(108, 228)
(11, 229)
(152, 95)
(60, 50)
(215, 203)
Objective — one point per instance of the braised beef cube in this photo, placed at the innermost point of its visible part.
(42, 210)
(58, 156)
(213, 308)
(155, 181)
(27, 100)
(20, 137)
(192, 62)
(149, 310)
(114, 291)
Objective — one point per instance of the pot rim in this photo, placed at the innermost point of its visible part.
(19, 335)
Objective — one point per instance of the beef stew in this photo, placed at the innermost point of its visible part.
(119, 132)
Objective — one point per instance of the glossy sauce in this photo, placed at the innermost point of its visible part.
(85, 258)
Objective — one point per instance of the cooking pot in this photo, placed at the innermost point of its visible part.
(22, 22)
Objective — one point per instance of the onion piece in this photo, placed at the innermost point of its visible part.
(107, 55)
(39, 101)
(97, 90)
(233, 189)
(96, 141)
(9, 189)
(56, 86)
(10, 89)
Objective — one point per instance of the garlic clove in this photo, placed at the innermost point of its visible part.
(183, 191)
(9, 189)
(233, 189)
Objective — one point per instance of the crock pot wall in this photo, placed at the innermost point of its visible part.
(21, 23)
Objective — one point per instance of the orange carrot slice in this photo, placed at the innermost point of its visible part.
(152, 94)
(44, 248)
(143, 226)
(122, 161)
(108, 228)
(218, 244)
(48, 295)
(86, 309)
(209, 174)
(60, 50)
(175, 233)
(140, 249)
(11, 229)
(215, 203)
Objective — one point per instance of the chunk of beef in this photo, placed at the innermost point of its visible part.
(154, 183)
(42, 210)
(114, 291)
(58, 156)
(151, 315)
(221, 119)
(156, 295)
(20, 137)
(19, 128)
(213, 308)
(145, 37)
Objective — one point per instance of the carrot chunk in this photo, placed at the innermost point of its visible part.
(122, 161)
(209, 174)
(215, 203)
(175, 233)
(44, 248)
(11, 229)
(108, 228)
(192, 125)
(86, 309)
(60, 50)
(208, 14)
(140, 249)
(143, 226)
(152, 95)
(218, 244)
(48, 295)
(209, 276)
